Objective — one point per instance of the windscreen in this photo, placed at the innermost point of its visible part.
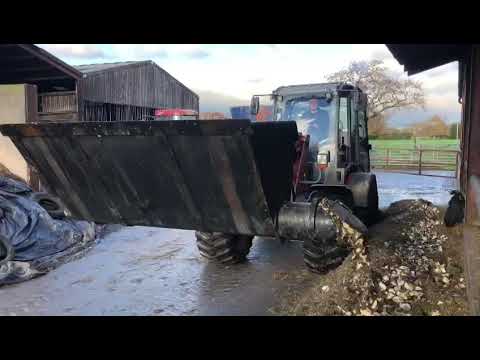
(313, 116)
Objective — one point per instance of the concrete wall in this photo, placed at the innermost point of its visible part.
(12, 111)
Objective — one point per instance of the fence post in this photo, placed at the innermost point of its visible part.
(388, 157)
(420, 162)
(456, 164)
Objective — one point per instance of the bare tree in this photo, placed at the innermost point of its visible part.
(435, 126)
(377, 125)
(385, 92)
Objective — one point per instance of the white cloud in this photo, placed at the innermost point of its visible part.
(444, 102)
(152, 51)
(240, 70)
(190, 51)
(211, 101)
(79, 51)
(450, 69)
(239, 75)
(376, 52)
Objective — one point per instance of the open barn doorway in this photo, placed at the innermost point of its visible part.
(419, 58)
(416, 153)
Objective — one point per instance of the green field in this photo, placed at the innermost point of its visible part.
(404, 154)
(446, 144)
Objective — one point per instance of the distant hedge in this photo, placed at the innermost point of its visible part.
(401, 136)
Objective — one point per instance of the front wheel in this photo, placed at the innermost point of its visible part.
(224, 248)
(320, 257)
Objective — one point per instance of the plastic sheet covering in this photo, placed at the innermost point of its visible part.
(31, 242)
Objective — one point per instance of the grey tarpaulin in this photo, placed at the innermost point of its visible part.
(31, 242)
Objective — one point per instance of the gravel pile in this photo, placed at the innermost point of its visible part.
(405, 273)
(360, 283)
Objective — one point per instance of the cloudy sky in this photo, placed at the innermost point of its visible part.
(227, 75)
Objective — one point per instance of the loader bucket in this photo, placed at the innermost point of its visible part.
(229, 176)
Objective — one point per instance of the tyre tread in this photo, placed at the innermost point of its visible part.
(223, 248)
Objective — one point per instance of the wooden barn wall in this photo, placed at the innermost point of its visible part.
(145, 86)
(470, 173)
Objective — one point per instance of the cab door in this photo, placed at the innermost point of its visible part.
(362, 134)
(343, 138)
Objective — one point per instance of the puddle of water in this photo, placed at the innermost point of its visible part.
(395, 186)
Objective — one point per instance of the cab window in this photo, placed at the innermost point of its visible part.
(362, 126)
(343, 121)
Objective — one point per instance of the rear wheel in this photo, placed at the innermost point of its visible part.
(224, 248)
(365, 194)
(371, 213)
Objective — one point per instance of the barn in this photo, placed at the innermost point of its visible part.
(102, 92)
(129, 91)
(37, 86)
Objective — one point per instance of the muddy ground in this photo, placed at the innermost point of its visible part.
(414, 266)
(153, 271)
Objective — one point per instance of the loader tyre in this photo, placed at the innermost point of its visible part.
(370, 214)
(345, 199)
(7, 251)
(224, 248)
(50, 203)
(321, 257)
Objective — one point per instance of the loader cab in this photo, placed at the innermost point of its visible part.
(353, 145)
(334, 117)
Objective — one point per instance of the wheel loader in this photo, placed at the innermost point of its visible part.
(229, 180)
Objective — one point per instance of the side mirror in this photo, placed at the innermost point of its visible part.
(369, 146)
(255, 105)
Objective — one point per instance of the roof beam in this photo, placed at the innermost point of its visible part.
(43, 68)
(14, 58)
(31, 73)
(8, 45)
(52, 60)
(13, 80)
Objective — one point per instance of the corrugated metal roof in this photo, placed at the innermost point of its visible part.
(91, 68)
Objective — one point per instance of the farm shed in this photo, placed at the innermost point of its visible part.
(37, 86)
(102, 92)
(129, 91)
(418, 58)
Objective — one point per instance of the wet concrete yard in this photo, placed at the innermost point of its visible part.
(154, 271)
(393, 186)
(143, 271)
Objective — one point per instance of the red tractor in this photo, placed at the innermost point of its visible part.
(230, 180)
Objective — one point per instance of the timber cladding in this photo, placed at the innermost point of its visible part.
(118, 91)
(138, 84)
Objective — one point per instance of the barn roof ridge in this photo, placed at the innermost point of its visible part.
(173, 77)
(102, 67)
(94, 68)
